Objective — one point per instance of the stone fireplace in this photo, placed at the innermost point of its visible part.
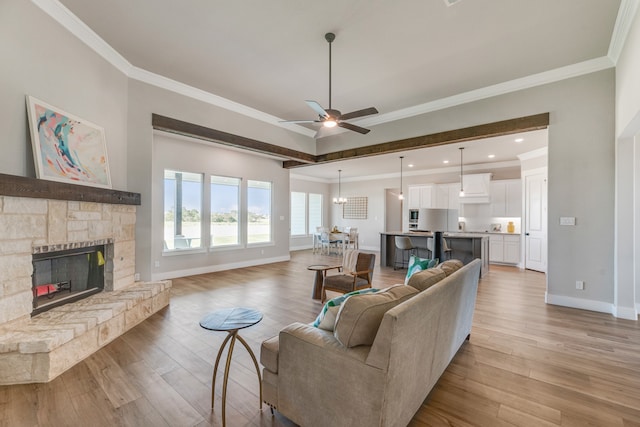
(35, 230)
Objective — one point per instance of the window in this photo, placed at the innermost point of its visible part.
(225, 199)
(182, 210)
(258, 212)
(298, 213)
(315, 212)
(305, 216)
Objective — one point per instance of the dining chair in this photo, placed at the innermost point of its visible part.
(327, 240)
(317, 244)
(352, 238)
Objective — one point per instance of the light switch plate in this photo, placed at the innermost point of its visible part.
(567, 220)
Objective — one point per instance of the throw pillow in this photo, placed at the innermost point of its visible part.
(423, 280)
(360, 316)
(451, 266)
(418, 264)
(327, 317)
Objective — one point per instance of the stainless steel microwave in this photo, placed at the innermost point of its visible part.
(413, 215)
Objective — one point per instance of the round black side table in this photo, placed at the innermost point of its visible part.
(231, 320)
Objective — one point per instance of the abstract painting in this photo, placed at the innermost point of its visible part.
(67, 148)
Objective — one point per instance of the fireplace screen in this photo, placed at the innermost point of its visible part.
(66, 276)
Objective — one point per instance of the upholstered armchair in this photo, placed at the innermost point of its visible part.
(357, 273)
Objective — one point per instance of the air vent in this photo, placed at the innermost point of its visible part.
(451, 2)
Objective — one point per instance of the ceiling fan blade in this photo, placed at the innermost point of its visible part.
(354, 128)
(299, 121)
(317, 108)
(359, 113)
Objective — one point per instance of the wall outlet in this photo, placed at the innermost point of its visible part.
(157, 264)
(580, 285)
(567, 220)
(261, 251)
(136, 277)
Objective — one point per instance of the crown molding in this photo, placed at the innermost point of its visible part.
(626, 15)
(73, 24)
(551, 76)
(79, 29)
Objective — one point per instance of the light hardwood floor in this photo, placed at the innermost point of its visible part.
(527, 363)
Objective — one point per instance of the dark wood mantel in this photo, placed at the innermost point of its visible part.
(20, 186)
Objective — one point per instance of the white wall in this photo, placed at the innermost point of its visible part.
(41, 59)
(627, 250)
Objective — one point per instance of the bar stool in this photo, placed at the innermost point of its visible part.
(403, 243)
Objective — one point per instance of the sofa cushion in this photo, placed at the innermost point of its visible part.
(451, 266)
(359, 316)
(418, 264)
(269, 353)
(327, 317)
(425, 279)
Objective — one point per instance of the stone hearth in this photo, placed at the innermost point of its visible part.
(55, 215)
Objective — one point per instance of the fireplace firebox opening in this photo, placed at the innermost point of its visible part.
(65, 276)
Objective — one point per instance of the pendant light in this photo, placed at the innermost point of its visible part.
(401, 196)
(461, 184)
(339, 200)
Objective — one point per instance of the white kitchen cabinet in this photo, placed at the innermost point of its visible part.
(504, 249)
(413, 201)
(438, 196)
(441, 193)
(506, 198)
(512, 249)
(422, 196)
(454, 195)
(496, 248)
(498, 199)
(427, 198)
(513, 198)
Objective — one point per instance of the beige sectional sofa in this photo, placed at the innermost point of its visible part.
(386, 353)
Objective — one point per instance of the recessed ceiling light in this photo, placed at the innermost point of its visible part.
(491, 156)
(410, 165)
(445, 161)
(519, 139)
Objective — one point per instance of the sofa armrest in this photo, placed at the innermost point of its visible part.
(318, 379)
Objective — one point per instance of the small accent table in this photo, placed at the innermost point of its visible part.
(231, 320)
(321, 271)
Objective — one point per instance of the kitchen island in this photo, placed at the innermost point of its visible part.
(464, 246)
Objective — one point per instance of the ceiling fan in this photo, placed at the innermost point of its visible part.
(330, 117)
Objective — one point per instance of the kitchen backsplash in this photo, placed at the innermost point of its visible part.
(482, 225)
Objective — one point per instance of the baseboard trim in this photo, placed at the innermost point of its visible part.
(630, 313)
(581, 303)
(220, 267)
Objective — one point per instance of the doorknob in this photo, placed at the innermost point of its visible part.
(526, 234)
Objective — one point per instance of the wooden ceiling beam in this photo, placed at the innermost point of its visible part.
(504, 127)
(300, 159)
(179, 127)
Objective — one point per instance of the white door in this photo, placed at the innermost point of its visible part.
(535, 243)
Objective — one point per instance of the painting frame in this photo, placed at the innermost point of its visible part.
(67, 148)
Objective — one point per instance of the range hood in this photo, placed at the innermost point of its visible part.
(477, 188)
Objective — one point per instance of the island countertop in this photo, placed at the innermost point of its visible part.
(464, 246)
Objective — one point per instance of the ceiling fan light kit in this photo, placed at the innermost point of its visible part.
(329, 117)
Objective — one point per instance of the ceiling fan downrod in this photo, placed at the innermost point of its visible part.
(330, 37)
